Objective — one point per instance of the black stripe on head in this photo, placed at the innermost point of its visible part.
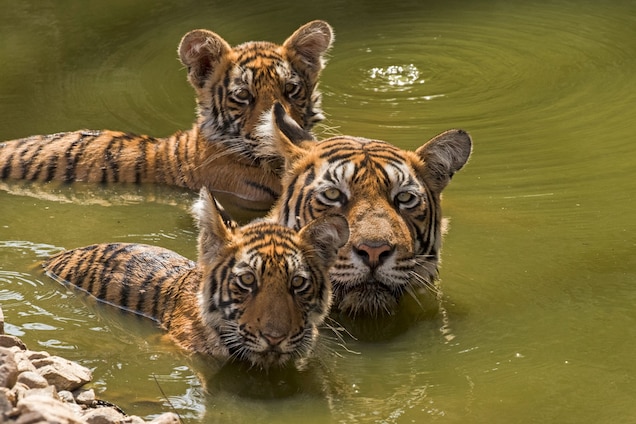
(221, 275)
(303, 193)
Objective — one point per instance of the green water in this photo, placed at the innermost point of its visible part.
(537, 321)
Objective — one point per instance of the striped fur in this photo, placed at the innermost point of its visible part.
(257, 293)
(391, 199)
(235, 89)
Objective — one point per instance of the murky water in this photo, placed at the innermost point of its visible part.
(537, 322)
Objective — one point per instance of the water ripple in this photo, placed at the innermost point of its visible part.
(511, 68)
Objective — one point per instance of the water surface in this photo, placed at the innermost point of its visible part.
(536, 320)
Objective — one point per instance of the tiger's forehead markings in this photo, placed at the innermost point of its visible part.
(401, 175)
(270, 244)
(263, 73)
(260, 60)
(352, 159)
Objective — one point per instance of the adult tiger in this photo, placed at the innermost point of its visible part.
(234, 88)
(257, 293)
(390, 197)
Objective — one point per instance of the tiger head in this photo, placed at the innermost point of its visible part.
(391, 199)
(265, 287)
(237, 86)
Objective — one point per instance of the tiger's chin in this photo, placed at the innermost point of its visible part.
(266, 356)
(369, 298)
(270, 359)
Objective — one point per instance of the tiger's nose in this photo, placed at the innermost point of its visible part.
(374, 253)
(273, 339)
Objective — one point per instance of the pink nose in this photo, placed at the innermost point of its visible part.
(373, 254)
(273, 339)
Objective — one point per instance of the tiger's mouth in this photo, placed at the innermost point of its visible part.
(272, 356)
(370, 298)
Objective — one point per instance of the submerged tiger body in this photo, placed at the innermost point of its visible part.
(235, 88)
(257, 293)
(391, 199)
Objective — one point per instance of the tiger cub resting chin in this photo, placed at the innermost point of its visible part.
(257, 293)
(235, 88)
(391, 198)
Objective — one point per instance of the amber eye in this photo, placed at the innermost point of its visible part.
(247, 280)
(332, 194)
(292, 89)
(299, 283)
(242, 94)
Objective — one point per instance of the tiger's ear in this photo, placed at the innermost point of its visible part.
(283, 140)
(444, 155)
(309, 43)
(290, 128)
(215, 226)
(201, 50)
(325, 235)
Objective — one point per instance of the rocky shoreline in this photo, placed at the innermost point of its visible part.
(36, 387)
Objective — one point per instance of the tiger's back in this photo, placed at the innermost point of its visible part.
(138, 278)
(235, 88)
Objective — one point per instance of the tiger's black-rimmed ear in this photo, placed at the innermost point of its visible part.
(200, 51)
(289, 127)
(444, 155)
(310, 42)
(215, 225)
(282, 139)
(326, 235)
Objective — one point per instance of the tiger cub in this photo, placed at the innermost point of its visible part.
(235, 87)
(391, 198)
(257, 293)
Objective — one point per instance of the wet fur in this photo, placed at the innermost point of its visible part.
(235, 87)
(211, 306)
(391, 199)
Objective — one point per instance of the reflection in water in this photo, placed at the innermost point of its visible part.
(396, 76)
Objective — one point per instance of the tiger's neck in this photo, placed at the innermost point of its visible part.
(183, 316)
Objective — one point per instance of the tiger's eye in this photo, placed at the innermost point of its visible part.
(298, 282)
(405, 197)
(291, 88)
(242, 94)
(247, 280)
(332, 194)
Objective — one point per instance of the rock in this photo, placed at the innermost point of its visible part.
(24, 364)
(32, 380)
(62, 373)
(37, 388)
(19, 391)
(6, 401)
(133, 419)
(9, 341)
(33, 355)
(85, 397)
(48, 391)
(8, 368)
(103, 416)
(42, 408)
(66, 396)
(166, 418)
